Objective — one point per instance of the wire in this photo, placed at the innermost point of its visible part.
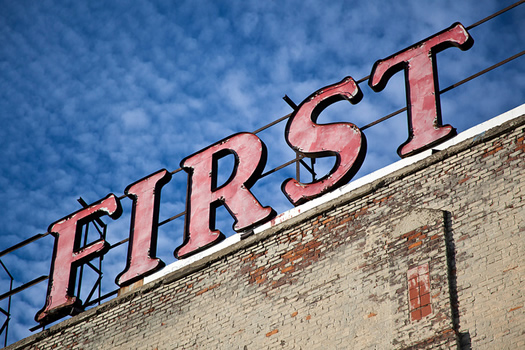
(495, 14)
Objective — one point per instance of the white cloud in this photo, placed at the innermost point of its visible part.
(96, 96)
(135, 119)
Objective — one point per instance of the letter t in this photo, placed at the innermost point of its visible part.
(424, 113)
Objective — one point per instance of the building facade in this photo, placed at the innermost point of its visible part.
(425, 254)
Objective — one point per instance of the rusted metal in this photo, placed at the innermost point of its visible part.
(271, 171)
(362, 80)
(103, 297)
(384, 118)
(119, 243)
(290, 102)
(499, 64)
(172, 218)
(309, 168)
(23, 243)
(510, 7)
(7, 313)
(272, 123)
(97, 220)
(96, 286)
(297, 166)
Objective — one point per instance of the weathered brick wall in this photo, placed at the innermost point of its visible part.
(429, 257)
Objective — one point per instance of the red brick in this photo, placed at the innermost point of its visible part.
(426, 310)
(415, 303)
(269, 334)
(415, 315)
(413, 293)
(425, 299)
(415, 245)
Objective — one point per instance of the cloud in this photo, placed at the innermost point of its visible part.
(135, 119)
(96, 95)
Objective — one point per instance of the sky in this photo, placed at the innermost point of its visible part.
(95, 95)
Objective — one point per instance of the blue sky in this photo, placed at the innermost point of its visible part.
(98, 94)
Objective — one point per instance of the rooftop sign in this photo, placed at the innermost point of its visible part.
(345, 141)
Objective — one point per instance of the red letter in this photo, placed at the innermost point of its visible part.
(142, 247)
(68, 255)
(204, 196)
(343, 140)
(424, 114)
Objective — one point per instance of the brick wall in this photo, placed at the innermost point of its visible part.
(428, 257)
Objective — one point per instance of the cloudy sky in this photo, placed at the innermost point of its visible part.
(95, 95)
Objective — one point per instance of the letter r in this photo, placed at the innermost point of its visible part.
(204, 196)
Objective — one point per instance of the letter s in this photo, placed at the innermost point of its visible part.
(343, 140)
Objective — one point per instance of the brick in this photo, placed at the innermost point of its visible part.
(370, 269)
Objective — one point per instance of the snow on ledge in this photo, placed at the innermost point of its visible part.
(477, 130)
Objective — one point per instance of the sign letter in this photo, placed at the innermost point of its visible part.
(204, 196)
(142, 248)
(423, 108)
(342, 140)
(68, 255)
